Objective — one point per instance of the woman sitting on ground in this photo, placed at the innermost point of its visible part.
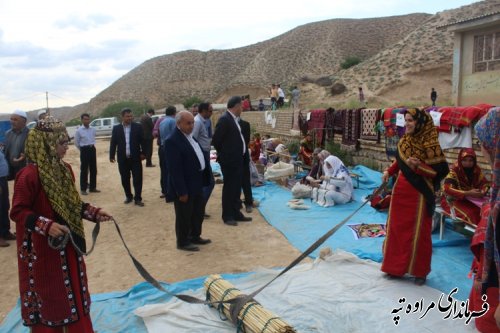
(255, 148)
(336, 187)
(306, 150)
(464, 180)
(313, 178)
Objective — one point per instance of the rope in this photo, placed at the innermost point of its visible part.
(240, 325)
(267, 323)
(239, 301)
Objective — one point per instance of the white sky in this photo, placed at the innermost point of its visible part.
(75, 49)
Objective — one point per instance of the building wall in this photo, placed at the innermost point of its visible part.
(370, 153)
(471, 88)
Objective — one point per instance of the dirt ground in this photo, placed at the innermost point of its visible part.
(150, 233)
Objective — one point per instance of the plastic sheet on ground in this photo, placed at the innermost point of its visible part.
(340, 294)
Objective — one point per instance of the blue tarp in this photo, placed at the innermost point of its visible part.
(112, 312)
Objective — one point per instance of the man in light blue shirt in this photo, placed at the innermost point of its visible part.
(85, 142)
(166, 127)
(200, 134)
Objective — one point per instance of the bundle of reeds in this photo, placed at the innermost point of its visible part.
(252, 318)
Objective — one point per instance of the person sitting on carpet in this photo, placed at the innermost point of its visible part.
(336, 187)
(255, 147)
(464, 180)
(313, 177)
(306, 150)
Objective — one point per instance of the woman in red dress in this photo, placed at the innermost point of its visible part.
(421, 165)
(306, 150)
(465, 179)
(46, 206)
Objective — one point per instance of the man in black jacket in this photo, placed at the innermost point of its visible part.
(231, 149)
(189, 171)
(126, 142)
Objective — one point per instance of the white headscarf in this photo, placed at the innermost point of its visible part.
(336, 166)
(338, 170)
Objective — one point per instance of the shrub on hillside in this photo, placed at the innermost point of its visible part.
(113, 110)
(349, 62)
(192, 100)
(74, 122)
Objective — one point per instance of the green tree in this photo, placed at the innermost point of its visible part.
(192, 100)
(349, 62)
(113, 110)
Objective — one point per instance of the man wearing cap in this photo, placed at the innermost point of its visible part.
(14, 142)
(85, 143)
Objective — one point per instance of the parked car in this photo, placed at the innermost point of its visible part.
(104, 126)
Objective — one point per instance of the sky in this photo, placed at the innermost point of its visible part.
(72, 50)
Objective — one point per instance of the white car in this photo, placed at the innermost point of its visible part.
(104, 126)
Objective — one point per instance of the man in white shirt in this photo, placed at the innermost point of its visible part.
(189, 172)
(85, 143)
(231, 149)
(281, 97)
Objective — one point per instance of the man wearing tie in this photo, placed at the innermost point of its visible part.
(126, 142)
(189, 172)
(231, 149)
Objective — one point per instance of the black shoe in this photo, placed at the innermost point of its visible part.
(139, 203)
(10, 236)
(206, 216)
(231, 222)
(201, 241)
(188, 247)
(420, 281)
(94, 191)
(83, 192)
(248, 208)
(128, 200)
(150, 166)
(244, 219)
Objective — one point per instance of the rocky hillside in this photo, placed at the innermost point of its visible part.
(402, 57)
(313, 49)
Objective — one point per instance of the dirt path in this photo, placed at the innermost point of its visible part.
(150, 234)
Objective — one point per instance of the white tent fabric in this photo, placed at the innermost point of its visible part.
(340, 294)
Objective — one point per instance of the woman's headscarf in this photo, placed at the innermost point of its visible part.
(488, 132)
(55, 177)
(423, 144)
(336, 166)
(463, 179)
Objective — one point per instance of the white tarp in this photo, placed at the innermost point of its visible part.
(340, 294)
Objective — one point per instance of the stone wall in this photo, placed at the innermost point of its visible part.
(370, 153)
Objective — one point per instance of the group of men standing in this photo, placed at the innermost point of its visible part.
(187, 180)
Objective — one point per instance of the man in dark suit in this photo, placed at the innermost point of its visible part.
(147, 136)
(126, 141)
(246, 186)
(231, 149)
(189, 172)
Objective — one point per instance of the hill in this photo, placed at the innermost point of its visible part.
(402, 57)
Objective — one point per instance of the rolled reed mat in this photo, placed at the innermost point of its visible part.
(252, 318)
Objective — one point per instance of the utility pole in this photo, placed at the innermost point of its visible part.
(47, 99)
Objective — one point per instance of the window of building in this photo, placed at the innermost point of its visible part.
(487, 52)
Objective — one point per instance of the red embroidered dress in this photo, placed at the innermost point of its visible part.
(460, 180)
(408, 245)
(52, 283)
